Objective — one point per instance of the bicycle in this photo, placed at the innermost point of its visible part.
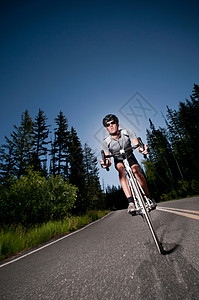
(141, 201)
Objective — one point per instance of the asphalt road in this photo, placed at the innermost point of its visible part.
(114, 258)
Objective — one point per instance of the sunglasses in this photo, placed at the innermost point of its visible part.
(111, 123)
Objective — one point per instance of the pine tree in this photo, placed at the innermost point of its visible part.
(59, 152)
(76, 169)
(183, 127)
(7, 164)
(53, 160)
(195, 92)
(195, 113)
(41, 132)
(161, 169)
(20, 148)
(94, 195)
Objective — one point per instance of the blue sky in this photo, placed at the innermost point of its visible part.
(90, 58)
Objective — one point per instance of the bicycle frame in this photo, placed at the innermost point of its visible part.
(139, 196)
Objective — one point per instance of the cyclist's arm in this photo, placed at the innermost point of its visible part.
(108, 161)
(140, 149)
(105, 148)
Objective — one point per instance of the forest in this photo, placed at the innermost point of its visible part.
(43, 179)
(173, 163)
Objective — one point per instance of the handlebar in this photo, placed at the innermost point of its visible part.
(122, 151)
(104, 158)
(141, 144)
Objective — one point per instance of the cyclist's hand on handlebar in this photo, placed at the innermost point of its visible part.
(108, 163)
(102, 163)
(144, 150)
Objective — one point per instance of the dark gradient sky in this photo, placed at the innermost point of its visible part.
(90, 58)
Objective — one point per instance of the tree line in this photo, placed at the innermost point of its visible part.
(173, 164)
(43, 179)
(31, 166)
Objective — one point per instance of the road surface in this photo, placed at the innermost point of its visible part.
(114, 258)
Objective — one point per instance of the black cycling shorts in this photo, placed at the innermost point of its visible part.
(131, 159)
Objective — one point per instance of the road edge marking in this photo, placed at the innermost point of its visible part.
(53, 242)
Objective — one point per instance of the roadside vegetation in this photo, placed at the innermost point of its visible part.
(14, 239)
(50, 185)
(173, 164)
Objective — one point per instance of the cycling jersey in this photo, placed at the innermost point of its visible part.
(109, 144)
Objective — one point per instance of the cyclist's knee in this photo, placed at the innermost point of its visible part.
(136, 169)
(121, 171)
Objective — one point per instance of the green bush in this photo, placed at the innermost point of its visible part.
(34, 199)
(169, 196)
(184, 188)
(195, 187)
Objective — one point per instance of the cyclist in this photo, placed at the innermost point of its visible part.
(121, 139)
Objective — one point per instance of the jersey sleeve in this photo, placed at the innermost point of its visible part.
(104, 146)
(131, 133)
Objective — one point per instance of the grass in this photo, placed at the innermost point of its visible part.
(17, 238)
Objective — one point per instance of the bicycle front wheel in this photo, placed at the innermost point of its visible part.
(140, 198)
(153, 232)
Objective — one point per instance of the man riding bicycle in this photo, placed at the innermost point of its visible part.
(121, 139)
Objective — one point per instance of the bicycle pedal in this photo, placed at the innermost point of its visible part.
(150, 208)
(136, 212)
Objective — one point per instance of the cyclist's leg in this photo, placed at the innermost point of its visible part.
(140, 177)
(125, 186)
(123, 180)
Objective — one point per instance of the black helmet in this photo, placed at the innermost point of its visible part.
(109, 118)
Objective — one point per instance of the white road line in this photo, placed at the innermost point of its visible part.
(51, 243)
